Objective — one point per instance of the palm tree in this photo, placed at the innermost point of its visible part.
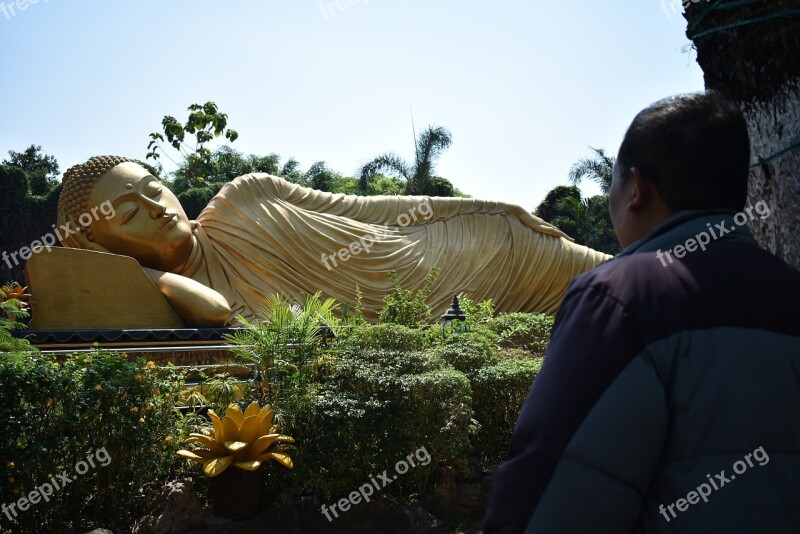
(599, 168)
(419, 176)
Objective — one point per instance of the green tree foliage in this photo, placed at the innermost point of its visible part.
(205, 123)
(30, 199)
(419, 177)
(548, 209)
(584, 219)
(194, 200)
(588, 222)
(598, 168)
(40, 169)
(13, 191)
(320, 177)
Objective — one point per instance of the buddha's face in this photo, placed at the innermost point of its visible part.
(149, 223)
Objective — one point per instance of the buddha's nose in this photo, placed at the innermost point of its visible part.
(156, 209)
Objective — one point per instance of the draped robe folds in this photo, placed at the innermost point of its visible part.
(263, 235)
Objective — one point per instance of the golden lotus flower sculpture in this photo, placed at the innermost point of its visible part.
(244, 440)
(15, 291)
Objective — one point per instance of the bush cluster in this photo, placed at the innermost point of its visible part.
(53, 415)
(378, 407)
(527, 331)
(385, 390)
(356, 406)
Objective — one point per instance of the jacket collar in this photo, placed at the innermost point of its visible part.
(688, 224)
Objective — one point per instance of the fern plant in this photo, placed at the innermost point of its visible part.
(223, 390)
(13, 308)
(282, 343)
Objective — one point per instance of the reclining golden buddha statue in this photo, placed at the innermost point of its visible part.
(262, 235)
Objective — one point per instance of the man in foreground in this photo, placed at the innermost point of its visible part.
(669, 397)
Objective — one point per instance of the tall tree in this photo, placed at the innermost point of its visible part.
(598, 168)
(320, 177)
(750, 52)
(548, 209)
(205, 123)
(419, 177)
(587, 221)
(40, 169)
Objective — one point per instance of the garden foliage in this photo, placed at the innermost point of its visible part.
(54, 414)
(356, 403)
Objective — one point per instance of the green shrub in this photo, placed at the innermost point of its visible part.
(388, 337)
(406, 307)
(478, 313)
(285, 341)
(395, 362)
(11, 313)
(375, 409)
(466, 352)
(498, 392)
(54, 415)
(528, 331)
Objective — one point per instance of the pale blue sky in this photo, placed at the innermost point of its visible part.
(524, 86)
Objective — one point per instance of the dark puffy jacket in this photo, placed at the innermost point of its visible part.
(669, 399)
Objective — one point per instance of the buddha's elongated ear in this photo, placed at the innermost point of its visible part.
(71, 234)
(66, 225)
(87, 244)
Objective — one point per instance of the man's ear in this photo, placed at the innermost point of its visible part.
(639, 190)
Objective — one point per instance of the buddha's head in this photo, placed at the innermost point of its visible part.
(139, 216)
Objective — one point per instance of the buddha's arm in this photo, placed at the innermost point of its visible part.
(195, 303)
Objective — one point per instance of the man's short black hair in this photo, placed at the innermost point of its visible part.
(694, 147)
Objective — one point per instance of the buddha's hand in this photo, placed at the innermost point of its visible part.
(195, 303)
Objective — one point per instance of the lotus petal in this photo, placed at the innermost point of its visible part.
(219, 434)
(235, 446)
(235, 413)
(283, 459)
(208, 454)
(190, 455)
(231, 430)
(198, 438)
(266, 416)
(252, 410)
(250, 429)
(251, 465)
(263, 443)
(214, 447)
(217, 466)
